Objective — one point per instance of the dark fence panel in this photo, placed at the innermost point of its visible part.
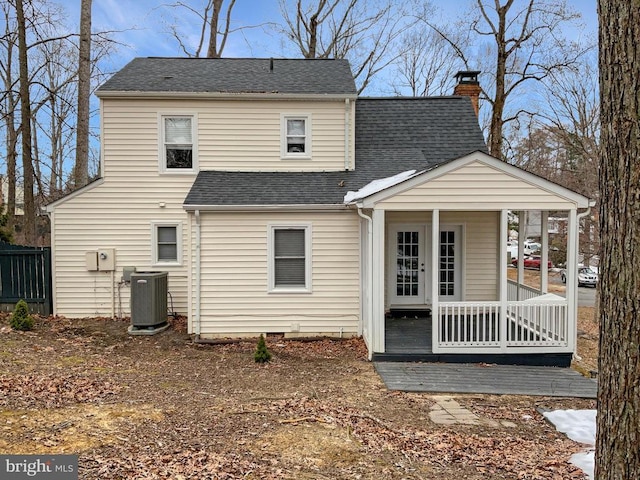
(25, 274)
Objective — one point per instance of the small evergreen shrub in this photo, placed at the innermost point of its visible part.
(20, 318)
(262, 355)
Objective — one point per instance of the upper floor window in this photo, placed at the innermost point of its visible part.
(178, 147)
(296, 136)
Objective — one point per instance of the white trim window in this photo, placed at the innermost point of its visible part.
(296, 136)
(178, 151)
(289, 258)
(166, 243)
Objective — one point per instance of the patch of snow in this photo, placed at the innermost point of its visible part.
(579, 426)
(377, 186)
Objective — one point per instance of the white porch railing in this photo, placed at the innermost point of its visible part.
(526, 292)
(502, 327)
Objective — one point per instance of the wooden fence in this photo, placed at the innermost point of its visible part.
(25, 274)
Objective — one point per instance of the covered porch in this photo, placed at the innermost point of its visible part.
(439, 258)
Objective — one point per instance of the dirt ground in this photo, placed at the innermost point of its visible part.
(163, 407)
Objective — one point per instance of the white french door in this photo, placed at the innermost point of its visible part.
(409, 268)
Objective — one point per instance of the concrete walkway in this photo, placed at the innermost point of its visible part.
(482, 378)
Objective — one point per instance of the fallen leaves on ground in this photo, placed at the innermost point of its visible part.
(163, 407)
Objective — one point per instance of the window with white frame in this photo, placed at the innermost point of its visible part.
(166, 243)
(178, 152)
(290, 258)
(296, 136)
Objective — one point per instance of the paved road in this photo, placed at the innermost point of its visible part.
(586, 296)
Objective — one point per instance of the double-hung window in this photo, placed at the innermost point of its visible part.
(290, 258)
(166, 243)
(296, 136)
(178, 152)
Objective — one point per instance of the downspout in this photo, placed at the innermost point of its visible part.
(369, 280)
(579, 217)
(347, 130)
(197, 285)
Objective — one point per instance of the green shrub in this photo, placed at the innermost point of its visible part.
(20, 318)
(262, 355)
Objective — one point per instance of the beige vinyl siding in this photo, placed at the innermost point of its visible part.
(234, 278)
(231, 135)
(480, 248)
(109, 216)
(476, 186)
(480, 230)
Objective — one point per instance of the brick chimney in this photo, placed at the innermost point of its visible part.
(468, 86)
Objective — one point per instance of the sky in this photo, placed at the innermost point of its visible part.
(143, 25)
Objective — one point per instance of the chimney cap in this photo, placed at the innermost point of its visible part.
(469, 77)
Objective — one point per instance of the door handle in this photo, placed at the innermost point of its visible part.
(422, 267)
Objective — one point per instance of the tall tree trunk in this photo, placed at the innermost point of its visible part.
(12, 143)
(81, 170)
(29, 219)
(212, 51)
(497, 121)
(618, 438)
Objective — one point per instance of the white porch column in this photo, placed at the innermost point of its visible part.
(572, 280)
(502, 265)
(435, 278)
(544, 254)
(522, 236)
(377, 294)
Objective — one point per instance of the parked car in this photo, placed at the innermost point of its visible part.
(586, 277)
(531, 261)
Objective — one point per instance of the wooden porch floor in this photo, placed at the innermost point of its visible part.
(408, 339)
(408, 334)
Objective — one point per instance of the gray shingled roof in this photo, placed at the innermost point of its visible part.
(393, 135)
(233, 75)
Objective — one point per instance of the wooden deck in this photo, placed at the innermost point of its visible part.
(482, 378)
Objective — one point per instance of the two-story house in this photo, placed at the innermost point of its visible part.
(280, 202)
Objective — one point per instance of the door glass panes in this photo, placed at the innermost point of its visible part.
(407, 264)
(447, 263)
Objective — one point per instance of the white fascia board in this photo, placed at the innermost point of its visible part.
(440, 170)
(254, 208)
(225, 95)
(50, 207)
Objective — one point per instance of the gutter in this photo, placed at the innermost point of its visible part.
(253, 208)
(224, 95)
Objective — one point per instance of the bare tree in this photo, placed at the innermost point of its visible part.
(522, 40)
(25, 128)
(213, 20)
(81, 169)
(618, 420)
(9, 106)
(426, 65)
(366, 33)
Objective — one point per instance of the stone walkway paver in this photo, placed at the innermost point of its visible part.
(447, 411)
